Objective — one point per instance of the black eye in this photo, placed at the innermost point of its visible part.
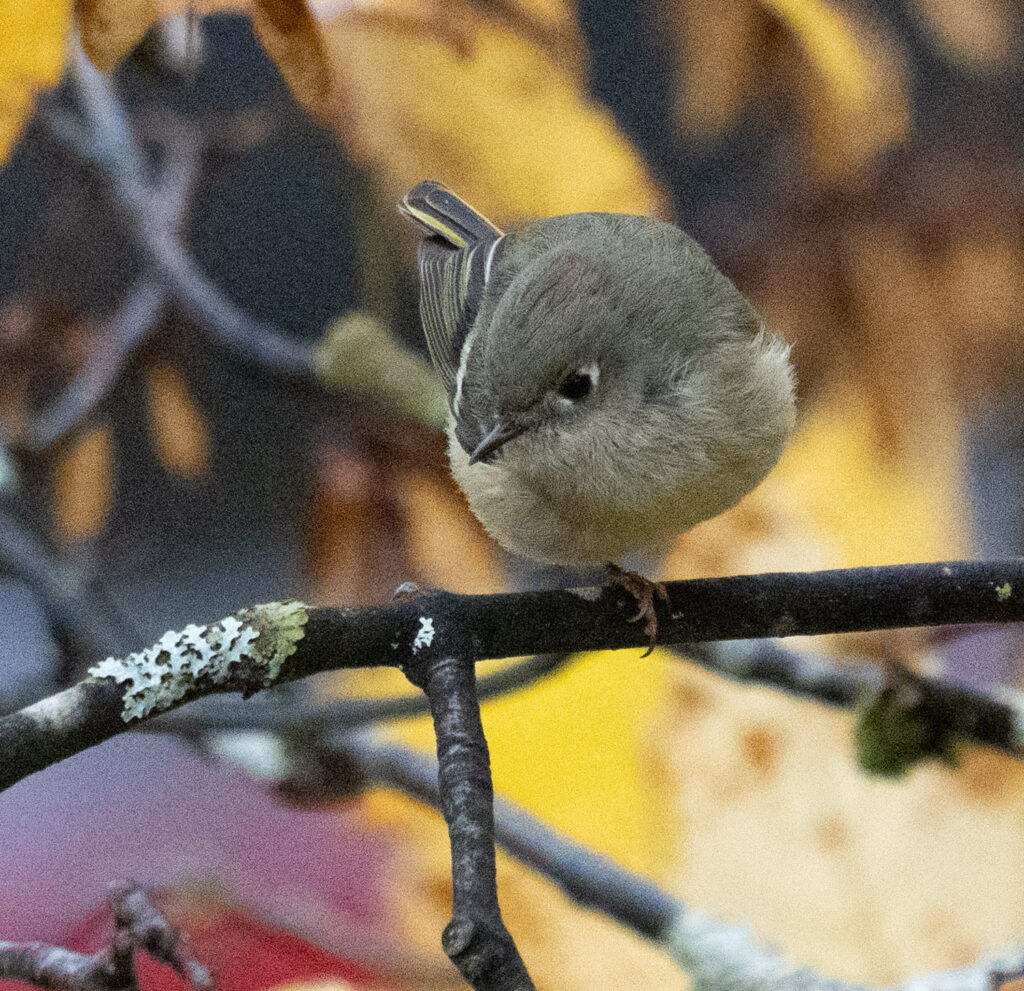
(576, 386)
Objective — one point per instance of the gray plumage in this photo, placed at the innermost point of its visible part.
(609, 387)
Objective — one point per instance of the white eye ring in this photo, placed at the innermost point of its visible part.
(578, 385)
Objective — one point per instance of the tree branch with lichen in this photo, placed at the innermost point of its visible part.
(436, 638)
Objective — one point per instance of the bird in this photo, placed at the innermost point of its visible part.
(608, 387)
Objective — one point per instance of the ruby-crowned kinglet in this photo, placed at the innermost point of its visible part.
(609, 388)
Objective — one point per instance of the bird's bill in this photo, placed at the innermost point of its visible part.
(501, 433)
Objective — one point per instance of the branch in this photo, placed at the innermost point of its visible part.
(167, 200)
(282, 715)
(82, 622)
(108, 141)
(475, 939)
(515, 624)
(137, 926)
(125, 330)
(719, 957)
(892, 703)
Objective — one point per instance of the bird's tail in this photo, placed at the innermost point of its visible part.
(436, 208)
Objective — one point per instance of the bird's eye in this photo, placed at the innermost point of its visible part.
(577, 385)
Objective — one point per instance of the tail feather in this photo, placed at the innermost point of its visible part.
(437, 209)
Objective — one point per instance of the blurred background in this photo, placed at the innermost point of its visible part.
(213, 392)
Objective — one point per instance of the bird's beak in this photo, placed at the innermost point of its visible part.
(501, 433)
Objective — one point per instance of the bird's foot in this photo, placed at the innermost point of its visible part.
(643, 591)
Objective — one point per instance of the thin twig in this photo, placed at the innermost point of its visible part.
(108, 141)
(718, 956)
(129, 326)
(588, 878)
(83, 624)
(137, 926)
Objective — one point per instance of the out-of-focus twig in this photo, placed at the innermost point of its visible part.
(344, 714)
(168, 199)
(718, 956)
(137, 926)
(124, 331)
(106, 139)
(84, 625)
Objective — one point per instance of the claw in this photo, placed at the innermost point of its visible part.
(643, 591)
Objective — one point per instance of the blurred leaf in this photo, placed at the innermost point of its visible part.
(564, 947)
(290, 35)
(447, 546)
(857, 99)
(109, 29)
(359, 352)
(317, 986)
(983, 36)
(723, 41)
(32, 49)
(831, 61)
(489, 111)
(83, 484)
(867, 880)
(176, 424)
(355, 539)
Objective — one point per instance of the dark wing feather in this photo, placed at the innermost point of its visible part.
(453, 269)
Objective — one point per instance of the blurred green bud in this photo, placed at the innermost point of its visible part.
(359, 353)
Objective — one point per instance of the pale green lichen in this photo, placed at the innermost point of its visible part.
(1004, 591)
(261, 638)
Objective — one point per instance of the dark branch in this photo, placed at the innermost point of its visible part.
(588, 878)
(282, 715)
(511, 625)
(476, 939)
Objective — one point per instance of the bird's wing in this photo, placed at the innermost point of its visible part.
(454, 263)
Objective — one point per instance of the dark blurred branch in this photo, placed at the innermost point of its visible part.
(82, 622)
(105, 138)
(942, 710)
(129, 326)
(281, 715)
(588, 878)
(137, 926)
(167, 202)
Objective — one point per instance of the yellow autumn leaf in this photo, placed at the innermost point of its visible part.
(83, 484)
(864, 879)
(502, 120)
(856, 98)
(32, 49)
(839, 64)
(110, 30)
(176, 424)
